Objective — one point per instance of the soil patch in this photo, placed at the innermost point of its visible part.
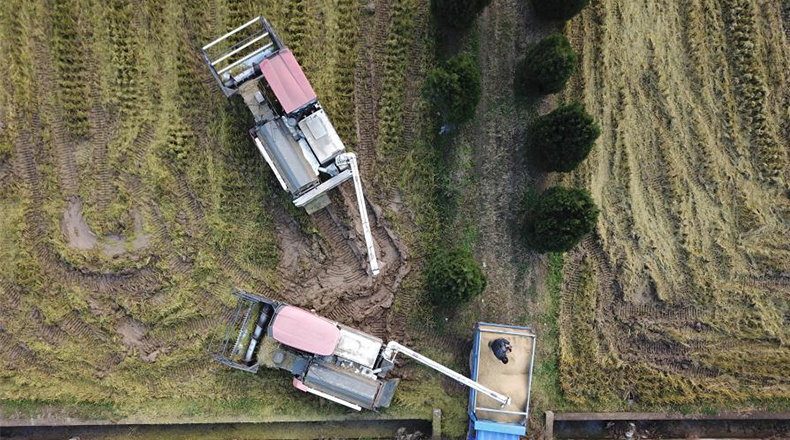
(80, 236)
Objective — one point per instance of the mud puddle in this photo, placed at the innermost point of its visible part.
(328, 271)
(80, 236)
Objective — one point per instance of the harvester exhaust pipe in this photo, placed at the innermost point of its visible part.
(393, 348)
(350, 159)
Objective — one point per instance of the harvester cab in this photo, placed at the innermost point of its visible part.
(328, 359)
(292, 131)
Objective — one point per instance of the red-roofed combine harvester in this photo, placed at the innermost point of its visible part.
(350, 367)
(292, 131)
(326, 358)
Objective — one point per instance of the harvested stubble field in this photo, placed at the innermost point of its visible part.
(132, 202)
(682, 296)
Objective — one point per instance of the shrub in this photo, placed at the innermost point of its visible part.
(560, 140)
(547, 66)
(559, 9)
(458, 14)
(559, 219)
(454, 277)
(455, 87)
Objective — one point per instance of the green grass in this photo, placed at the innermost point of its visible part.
(27, 408)
(546, 389)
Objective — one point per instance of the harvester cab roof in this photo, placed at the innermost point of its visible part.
(292, 131)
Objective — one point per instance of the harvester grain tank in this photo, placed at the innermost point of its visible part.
(292, 131)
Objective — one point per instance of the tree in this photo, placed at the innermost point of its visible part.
(454, 277)
(559, 219)
(560, 140)
(547, 66)
(455, 87)
(458, 14)
(559, 9)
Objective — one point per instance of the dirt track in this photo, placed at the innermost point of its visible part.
(500, 170)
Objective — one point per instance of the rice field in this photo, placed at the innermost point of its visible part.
(681, 296)
(132, 203)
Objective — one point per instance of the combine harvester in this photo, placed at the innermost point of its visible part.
(350, 367)
(292, 131)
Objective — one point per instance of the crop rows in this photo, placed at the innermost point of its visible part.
(297, 29)
(752, 87)
(682, 167)
(18, 63)
(126, 85)
(396, 48)
(69, 60)
(345, 41)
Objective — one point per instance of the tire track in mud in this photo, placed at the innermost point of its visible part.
(240, 276)
(50, 333)
(102, 129)
(104, 190)
(786, 20)
(778, 282)
(54, 334)
(179, 374)
(177, 263)
(172, 335)
(413, 86)
(10, 311)
(337, 284)
(678, 314)
(135, 281)
(102, 134)
(135, 188)
(615, 317)
(10, 295)
(78, 329)
(19, 355)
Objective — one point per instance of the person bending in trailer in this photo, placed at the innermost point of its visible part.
(501, 348)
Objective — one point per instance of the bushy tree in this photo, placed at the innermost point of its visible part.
(455, 87)
(454, 277)
(559, 219)
(547, 66)
(458, 14)
(559, 9)
(560, 140)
